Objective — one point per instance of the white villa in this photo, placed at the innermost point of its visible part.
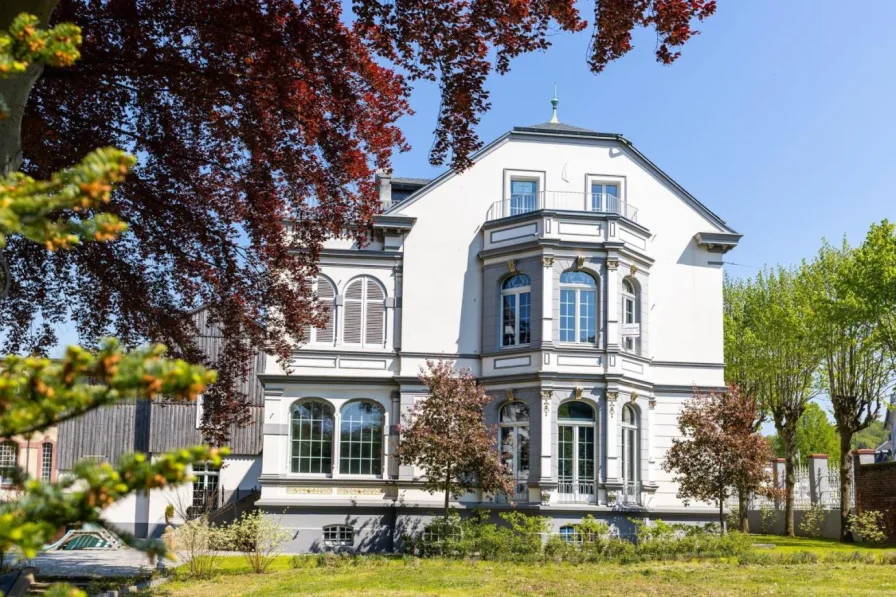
(580, 284)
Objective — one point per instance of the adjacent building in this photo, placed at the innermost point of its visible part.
(574, 277)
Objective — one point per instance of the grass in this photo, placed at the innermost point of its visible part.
(405, 577)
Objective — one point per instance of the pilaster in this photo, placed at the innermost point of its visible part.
(546, 477)
(547, 301)
(613, 408)
(613, 283)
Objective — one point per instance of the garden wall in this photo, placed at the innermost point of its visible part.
(876, 490)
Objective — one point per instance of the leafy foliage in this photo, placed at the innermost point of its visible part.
(239, 140)
(718, 448)
(258, 536)
(815, 434)
(869, 525)
(446, 437)
(197, 544)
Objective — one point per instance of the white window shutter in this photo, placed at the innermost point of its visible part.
(376, 314)
(353, 312)
(326, 294)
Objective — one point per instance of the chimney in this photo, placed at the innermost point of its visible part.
(384, 185)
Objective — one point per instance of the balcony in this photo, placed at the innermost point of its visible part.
(600, 203)
(630, 494)
(569, 492)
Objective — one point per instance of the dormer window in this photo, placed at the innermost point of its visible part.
(523, 194)
(516, 298)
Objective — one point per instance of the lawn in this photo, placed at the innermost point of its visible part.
(400, 577)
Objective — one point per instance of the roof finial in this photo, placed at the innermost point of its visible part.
(554, 103)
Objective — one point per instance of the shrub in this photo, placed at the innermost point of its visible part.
(526, 533)
(756, 558)
(768, 515)
(812, 523)
(888, 559)
(258, 537)
(195, 544)
(869, 525)
(855, 557)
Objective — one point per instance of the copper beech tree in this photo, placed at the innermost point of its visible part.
(719, 450)
(247, 114)
(446, 437)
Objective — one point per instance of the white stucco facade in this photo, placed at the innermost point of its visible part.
(616, 306)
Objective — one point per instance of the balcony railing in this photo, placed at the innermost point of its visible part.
(562, 201)
(569, 492)
(631, 493)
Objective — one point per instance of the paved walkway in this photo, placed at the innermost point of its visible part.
(98, 563)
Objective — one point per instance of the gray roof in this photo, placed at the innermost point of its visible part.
(419, 182)
(559, 127)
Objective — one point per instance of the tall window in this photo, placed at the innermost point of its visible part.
(46, 461)
(9, 452)
(523, 196)
(365, 313)
(629, 444)
(361, 439)
(605, 197)
(631, 316)
(326, 296)
(312, 437)
(577, 449)
(205, 487)
(515, 445)
(578, 307)
(516, 296)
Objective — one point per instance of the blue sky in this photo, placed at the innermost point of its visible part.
(779, 117)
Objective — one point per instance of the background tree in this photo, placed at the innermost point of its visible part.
(238, 139)
(35, 393)
(446, 437)
(874, 275)
(856, 360)
(741, 349)
(870, 437)
(718, 449)
(815, 434)
(785, 357)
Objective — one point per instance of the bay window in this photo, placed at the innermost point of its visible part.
(578, 307)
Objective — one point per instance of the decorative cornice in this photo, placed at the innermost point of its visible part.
(547, 261)
(611, 402)
(546, 397)
(612, 265)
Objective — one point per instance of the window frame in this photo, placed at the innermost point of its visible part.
(631, 344)
(578, 289)
(328, 473)
(516, 293)
(47, 476)
(539, 177)
(521, 484)
(340, 531)
(14, 446)
(381, 445)
(576, 425)
(630, 435)
(605, 179)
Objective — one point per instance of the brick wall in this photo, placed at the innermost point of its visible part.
(876, 490)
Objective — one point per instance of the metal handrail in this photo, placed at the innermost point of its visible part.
(631, 493)
(580, 492)
(562, 201)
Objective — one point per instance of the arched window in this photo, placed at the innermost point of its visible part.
(9, 458)
(46, 461)
(516, 295)
(312, 437)
(339, 535)
(578, 307)
(630, 469)
(361, 439)
(576, 451)
(631, 316)
(515, 446)
(365, 313)
(326, 296)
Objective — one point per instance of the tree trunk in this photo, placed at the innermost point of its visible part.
(742, 505)
(722, 511)
(789, 484)
(16, 89)
(447, 489)
(845, 486)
